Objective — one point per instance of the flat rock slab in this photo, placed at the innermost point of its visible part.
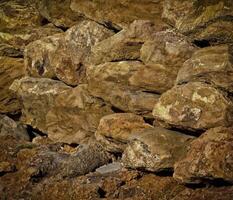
(155, 149)
(194, 106)
(213, 65)
(210, 158)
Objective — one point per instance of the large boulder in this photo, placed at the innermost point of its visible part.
(203, 20)
(118, 14)
(210, 158)
(212, 65)
(10, 70)
(155, 149)
(66, 114)
(112, 82)
(194, 106)
(116, 130)
(63, 55)
(163, 56)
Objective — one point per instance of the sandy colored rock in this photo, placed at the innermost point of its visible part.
(112, 82)
(124, 12)
(163, 57)
(126, 44)
(212, 65)
(9, 127)
(13, 41)
(114, 131)
(210, 158)
(194, 106)
(47, 104)
(58, 12)
(155, 149)
(208, 20)
(62, 55)
(10, 70)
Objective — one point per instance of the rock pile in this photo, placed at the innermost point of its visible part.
(116, 99)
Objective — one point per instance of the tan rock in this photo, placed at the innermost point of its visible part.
(47, 104)
(155, 149)
(62, 55)
(210, 158)
(194, 106)
(209, 20)
(126, 44)
(13, 41)
(10, 70)
(114, 131)
(112, 82)
(124, 12)
(163, 57)
(212, 65)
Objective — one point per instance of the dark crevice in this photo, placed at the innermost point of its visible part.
(15, 117)
(109, 25)
(202, 43)
(44, 22)
(102, 193)
(116, 110)
(196, 133)
(37, 177)
(32, 132)
(165, 172)
(149, 120)
(73, 145)
(151, 92)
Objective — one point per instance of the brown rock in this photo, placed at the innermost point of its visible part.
(112, 82)
(194, 106)
(58, 12)
(208, 20)
(212, 65)
(163, 57)
(155, 149)
(10, 70)
(13, 41)
(210, 158)
(114, 131)
(63, 55)
(47, 104)
(126, 44)
(124, 12)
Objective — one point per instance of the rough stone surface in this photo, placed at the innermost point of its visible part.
(124, 12)
(13, 41)
(62, 55)
(10, 70)
(126, 44)
(112, 82)
(194, 106)
(202, 20)
(9, 127)
(114, 131)
(212, 65)
(155, 149)
(58, 12)
(210, 158)
(163, 56)
(47, 104)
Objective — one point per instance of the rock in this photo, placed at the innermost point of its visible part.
(210, 158)
(124, 12)
(47, 104)
(126, 44)
(194, 106)
(114, 131)
(62, 55)
(10, 70)
(211, 65)
(16, 13)
(58, 12)
(215, 193)
(155, 149)
(109, 168)
(163, 56)
(112, 82)
(9, 127)
(13, 41)
(209, 20)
